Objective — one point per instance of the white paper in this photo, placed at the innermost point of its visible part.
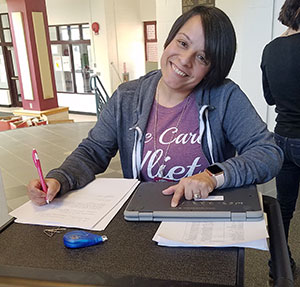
(213, 234)
(84, 208)
(260, 244)
(101, 225)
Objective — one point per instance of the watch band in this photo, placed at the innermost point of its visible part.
(219, 177)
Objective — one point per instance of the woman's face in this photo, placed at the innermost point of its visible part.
(183, 62)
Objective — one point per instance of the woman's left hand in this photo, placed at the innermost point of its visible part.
(198, 185)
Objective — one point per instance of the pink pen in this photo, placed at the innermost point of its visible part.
(37, 164)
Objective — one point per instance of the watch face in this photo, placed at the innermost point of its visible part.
(214, 169)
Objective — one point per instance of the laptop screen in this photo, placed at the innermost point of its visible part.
(5, 218)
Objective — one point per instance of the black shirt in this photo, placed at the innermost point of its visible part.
(281, 82)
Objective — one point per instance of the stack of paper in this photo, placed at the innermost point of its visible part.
(91, 207)
(213, 234)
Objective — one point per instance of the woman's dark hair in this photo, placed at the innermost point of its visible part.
(290, 14)
(220, 41)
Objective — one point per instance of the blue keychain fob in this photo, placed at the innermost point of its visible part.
(79, 238)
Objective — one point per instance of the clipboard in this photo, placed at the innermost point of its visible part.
(232, 204)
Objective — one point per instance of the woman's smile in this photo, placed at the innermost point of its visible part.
(177, 70)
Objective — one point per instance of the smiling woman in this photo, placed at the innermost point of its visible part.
(216, 50)
(147, 121)
(183, 63)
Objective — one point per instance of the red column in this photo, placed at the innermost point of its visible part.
(28, 19)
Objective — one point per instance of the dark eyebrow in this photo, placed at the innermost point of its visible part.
(188, 38)
(185, 35)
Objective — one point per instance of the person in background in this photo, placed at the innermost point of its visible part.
(185, 123)
(281, 85)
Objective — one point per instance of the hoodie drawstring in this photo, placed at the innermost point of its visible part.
(202, 126)
(136, 153)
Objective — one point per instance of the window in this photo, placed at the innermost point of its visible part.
(53, 33)
(6, 28)
(5, 41)
(75, 33)
(62, 68)
(71, 54)
(85, 32)
(3, 77)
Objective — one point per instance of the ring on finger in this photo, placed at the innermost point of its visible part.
(197, 196)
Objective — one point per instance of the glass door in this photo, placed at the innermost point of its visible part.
(12, 73)
(9, 79)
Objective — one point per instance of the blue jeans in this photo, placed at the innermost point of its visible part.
(287, 181)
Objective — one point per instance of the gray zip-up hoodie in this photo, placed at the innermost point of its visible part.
(233, 136)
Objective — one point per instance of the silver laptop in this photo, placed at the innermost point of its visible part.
(5, 218)
(232, 204)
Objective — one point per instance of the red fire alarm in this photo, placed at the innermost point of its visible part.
(96, 27)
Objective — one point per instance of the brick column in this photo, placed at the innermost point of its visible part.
(29, 25)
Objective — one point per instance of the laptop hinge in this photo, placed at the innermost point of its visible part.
(238, 216)
(147, 216)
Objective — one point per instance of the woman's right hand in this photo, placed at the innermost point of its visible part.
(36, 194)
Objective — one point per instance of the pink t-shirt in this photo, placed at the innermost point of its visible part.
(176, 140)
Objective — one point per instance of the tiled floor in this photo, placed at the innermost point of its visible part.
(53, 143)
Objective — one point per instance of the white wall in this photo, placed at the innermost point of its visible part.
(127, 39)
(256, 25)
(167, 12)
(3, 7)
(252, 21)
(148, 10)
(99, 43)
(67, 11)
(277, 30)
